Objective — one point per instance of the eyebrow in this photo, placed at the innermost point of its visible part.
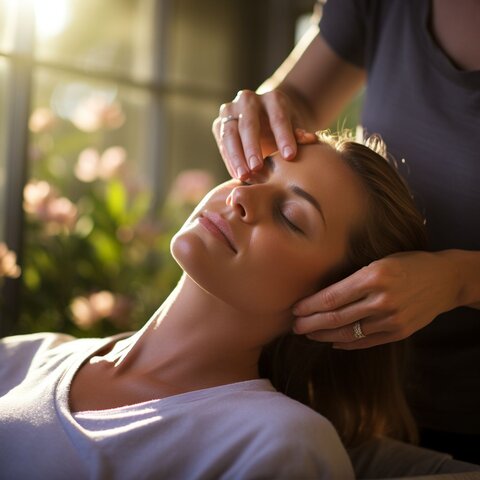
(270, 164)
(309, 198)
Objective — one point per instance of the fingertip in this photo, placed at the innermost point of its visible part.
(255, 163)
(300, 131)
(298, 310)
(303, 137)
(296, 327)
(308, 139)
(242, 173)
(288, 153)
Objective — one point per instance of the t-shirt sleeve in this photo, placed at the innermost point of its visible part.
(18, 353)
(299, 460)
(306, 446)
(349, 27)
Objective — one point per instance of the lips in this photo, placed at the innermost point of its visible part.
(217, 225)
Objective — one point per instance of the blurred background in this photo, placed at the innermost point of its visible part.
(105, 144)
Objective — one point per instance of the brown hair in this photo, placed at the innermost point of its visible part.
(359, 391)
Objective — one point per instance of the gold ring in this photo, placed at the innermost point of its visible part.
(357, 330)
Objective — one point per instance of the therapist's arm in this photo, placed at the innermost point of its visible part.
(308, 91)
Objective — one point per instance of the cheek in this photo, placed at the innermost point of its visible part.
(266, 280)
(281, 276)
(218, 276)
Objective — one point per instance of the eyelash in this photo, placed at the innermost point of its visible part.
(279, 214)
(285, 219)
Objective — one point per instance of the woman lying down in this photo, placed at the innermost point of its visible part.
(215, 385)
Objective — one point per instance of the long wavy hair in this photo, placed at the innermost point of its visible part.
(360, 391)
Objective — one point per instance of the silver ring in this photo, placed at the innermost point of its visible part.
(229, 118)
(357, 330)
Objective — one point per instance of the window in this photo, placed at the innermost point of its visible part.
(105, 143)
(102, 105)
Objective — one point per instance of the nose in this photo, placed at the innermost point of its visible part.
(244, 203)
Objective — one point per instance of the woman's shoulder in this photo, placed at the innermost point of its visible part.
(265, 409)
(301, 439)
(278, 437)
(291, 414)
(20, 354)
(30, 344)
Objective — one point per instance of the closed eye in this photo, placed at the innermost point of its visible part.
(281, 215)
(288, 222)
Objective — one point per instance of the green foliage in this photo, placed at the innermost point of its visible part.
(116, 246)
(96, 258)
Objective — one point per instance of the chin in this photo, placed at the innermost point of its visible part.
(227, 282)
(184, 249)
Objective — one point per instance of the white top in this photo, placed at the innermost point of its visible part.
(242, 430)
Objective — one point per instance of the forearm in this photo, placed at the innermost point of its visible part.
(304, 111)
(317, 81)
(466, 269)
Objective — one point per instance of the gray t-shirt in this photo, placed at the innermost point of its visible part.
(428, 112)
(242, 430)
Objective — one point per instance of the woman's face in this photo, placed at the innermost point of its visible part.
(264, 245)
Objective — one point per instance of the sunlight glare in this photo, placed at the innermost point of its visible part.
(51, 16)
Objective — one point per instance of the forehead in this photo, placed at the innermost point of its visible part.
(323, 172)
(319, 166)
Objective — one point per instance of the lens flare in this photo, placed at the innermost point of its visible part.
(51, 16)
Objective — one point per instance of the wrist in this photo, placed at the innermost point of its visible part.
(303, 114)
(464, 271)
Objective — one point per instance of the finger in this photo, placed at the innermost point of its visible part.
(334, 319)
(281, 124)
(216, 133)
(338, 295)
(370, 341)
(249, 129)
(232, 148)
(369, 326)
(304, 138)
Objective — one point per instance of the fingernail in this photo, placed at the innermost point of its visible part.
(241, 171)
(254, 162)
(300, 131)
(297, 310)
(287, 152)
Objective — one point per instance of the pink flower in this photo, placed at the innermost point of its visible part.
(83, 314)
(86, 168)
(36, 196)
(42, 203)
(96, 113)
(191, 186)
(62, 212)
(111, 162)
(148, 231)
(8, 263)
(42, 120)
(91, 166)
(122, 312)
(87, 311)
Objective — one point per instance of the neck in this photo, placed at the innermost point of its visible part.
(196, 340)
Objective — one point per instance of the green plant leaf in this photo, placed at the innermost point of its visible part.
(116, 200)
